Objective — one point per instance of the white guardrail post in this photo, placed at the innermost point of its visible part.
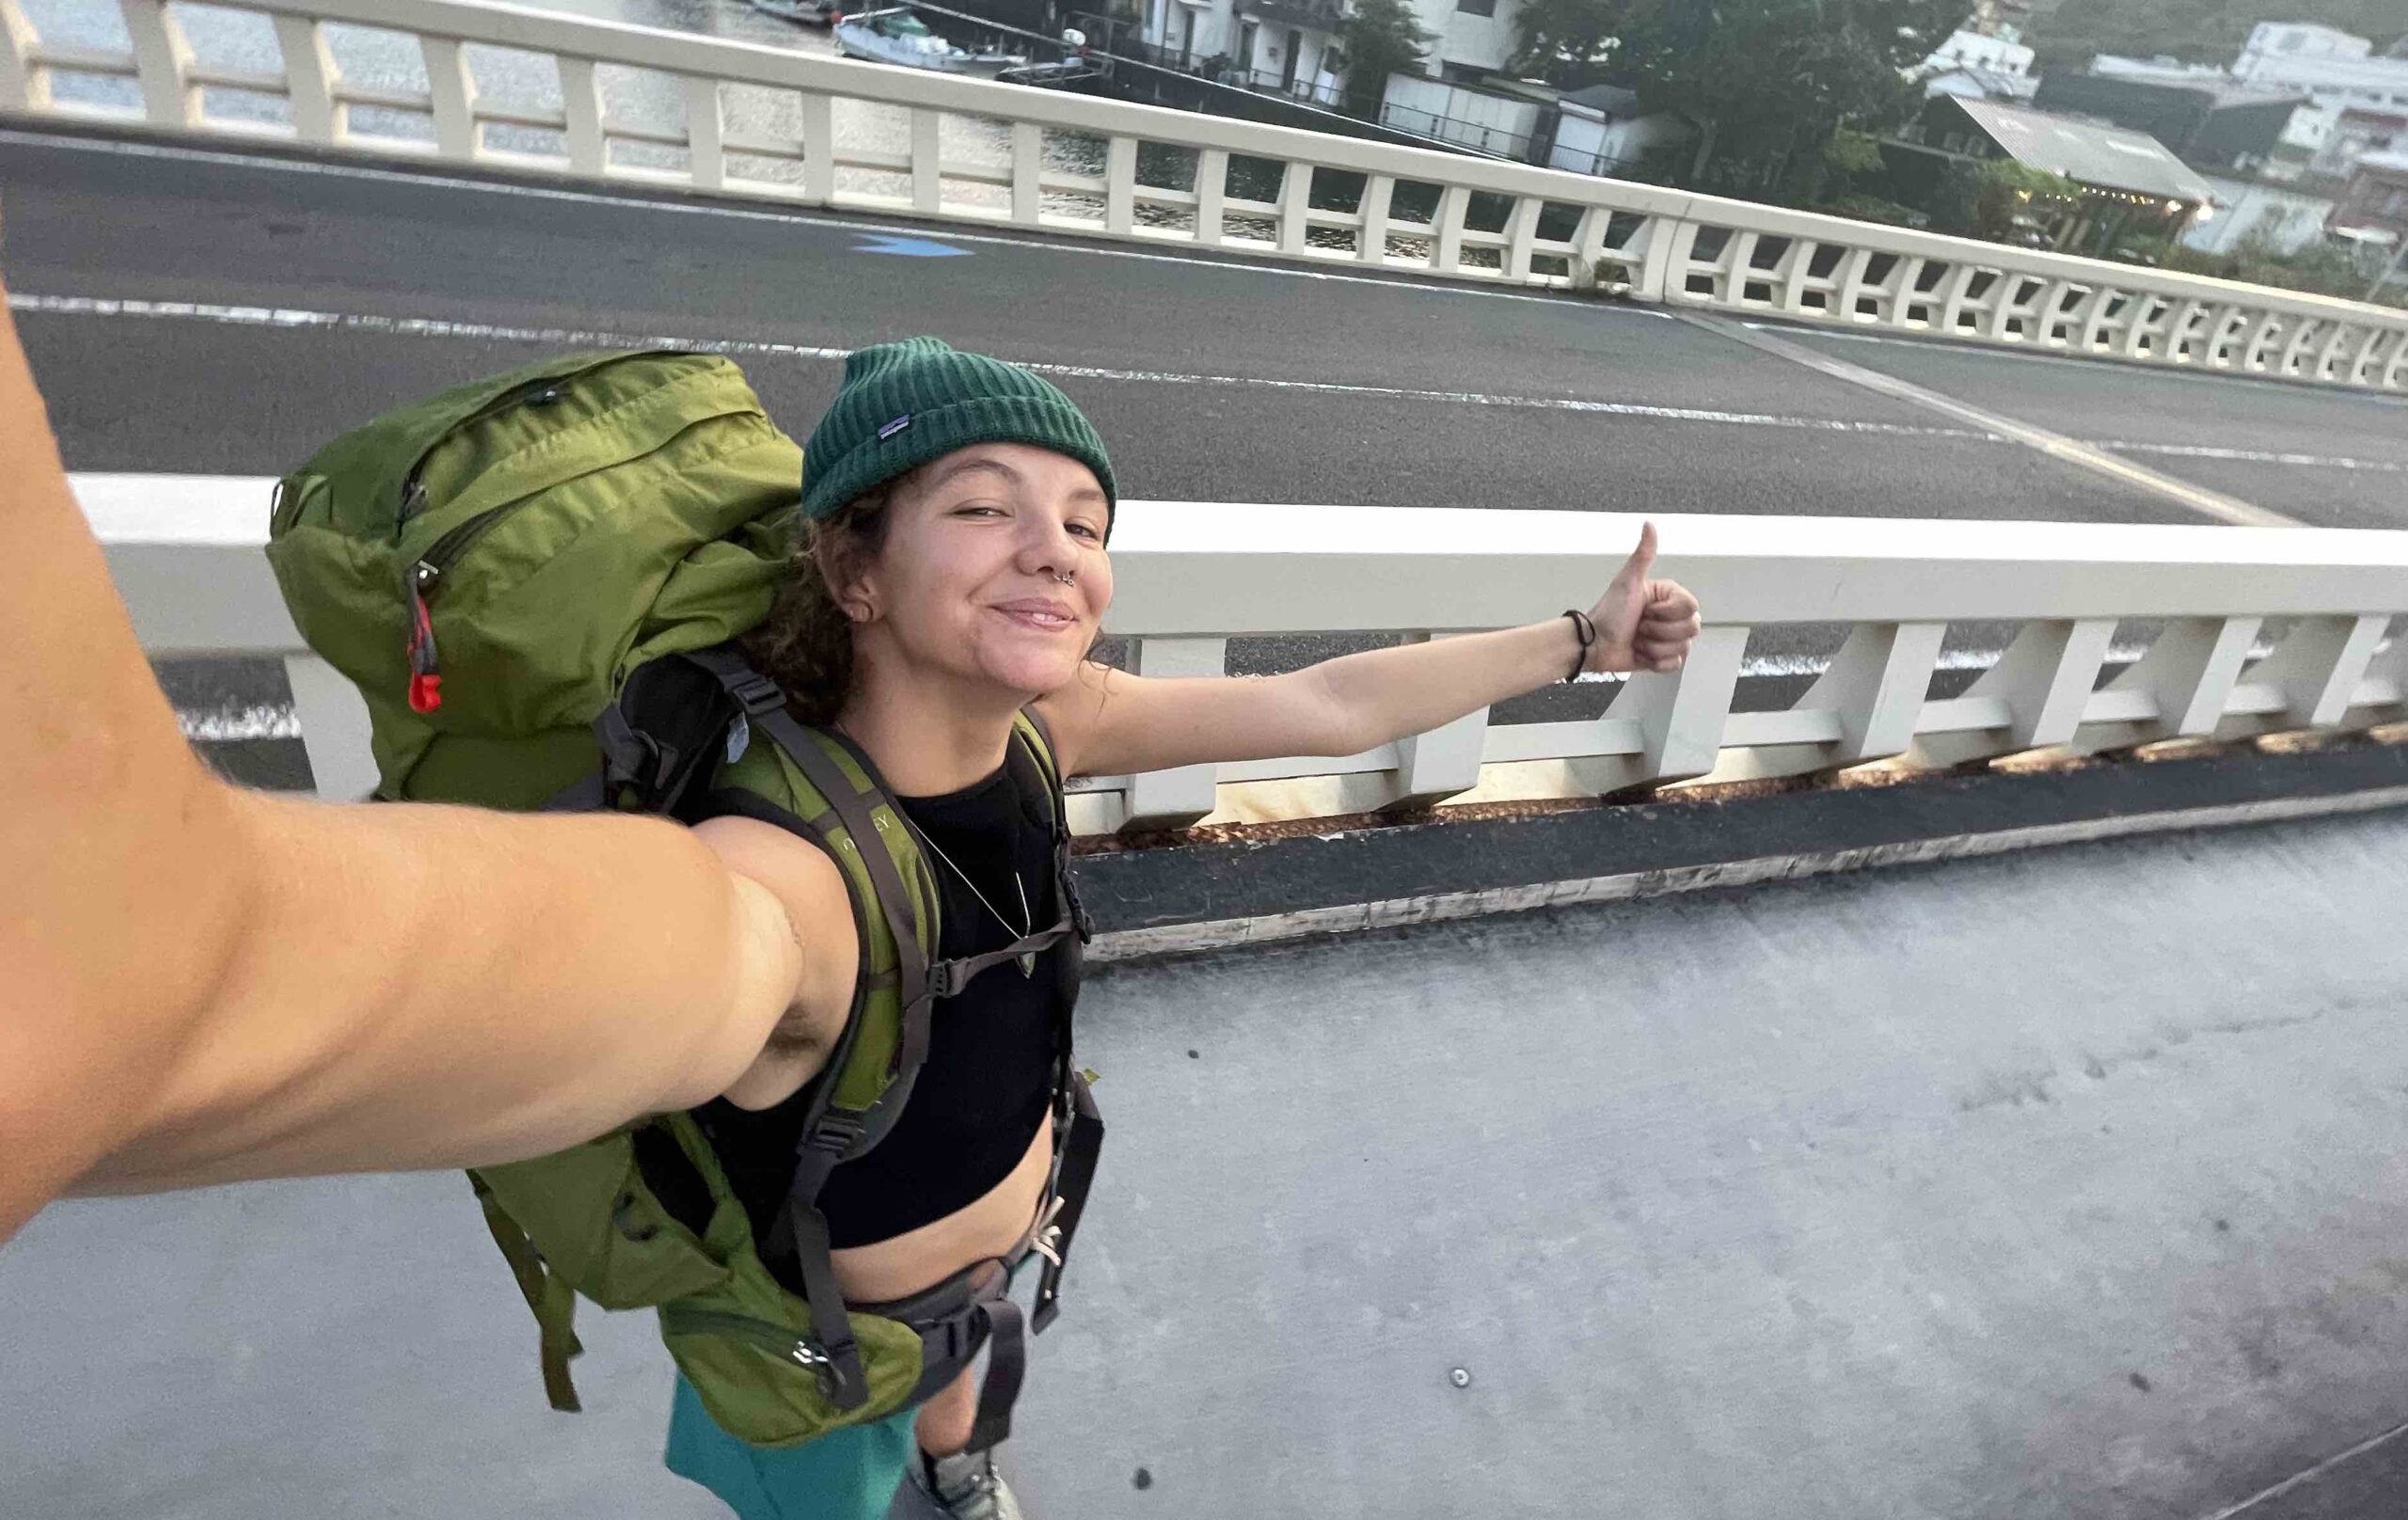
(185, 552)
(1559, 229)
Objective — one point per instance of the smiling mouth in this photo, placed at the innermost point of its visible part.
(1038, 618)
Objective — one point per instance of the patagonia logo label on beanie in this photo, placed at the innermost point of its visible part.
(903, 404)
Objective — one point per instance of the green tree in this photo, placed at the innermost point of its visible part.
(1379, 37)
(1984, 200)
(1767, 84)
(1568, 42)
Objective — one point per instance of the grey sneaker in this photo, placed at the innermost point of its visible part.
(966, 1487)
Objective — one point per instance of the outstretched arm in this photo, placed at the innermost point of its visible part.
(199, 983)
(1113, 723)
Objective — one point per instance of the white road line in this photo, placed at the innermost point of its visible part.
(2231, 1511)
(253, 316)
(1942, 344)
(2056, 446)
(859, 223)
(233, 725)
(2254, 456)
(258, 316)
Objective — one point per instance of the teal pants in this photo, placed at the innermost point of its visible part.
(849, 1474)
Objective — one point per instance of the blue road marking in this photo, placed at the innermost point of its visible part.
(908, 247)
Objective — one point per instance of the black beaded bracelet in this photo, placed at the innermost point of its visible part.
(1586, 632)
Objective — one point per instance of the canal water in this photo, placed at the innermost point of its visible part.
(506, 79)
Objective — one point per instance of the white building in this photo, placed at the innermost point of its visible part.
(1602, 130)
(2311, 130)
(1978, 66)
(2334, 69)
(1286, 45)
(2290, 219)
(1475, 36)
(1272, 45)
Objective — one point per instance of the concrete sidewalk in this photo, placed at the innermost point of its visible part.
(2055, 1186)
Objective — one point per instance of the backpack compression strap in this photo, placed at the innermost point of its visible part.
(831, 1135)
(548, 1294)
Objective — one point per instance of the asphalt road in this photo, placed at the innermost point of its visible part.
(1218, 381)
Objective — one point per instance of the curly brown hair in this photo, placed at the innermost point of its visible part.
(806, 643)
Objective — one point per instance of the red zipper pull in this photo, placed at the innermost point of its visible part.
(426, 671)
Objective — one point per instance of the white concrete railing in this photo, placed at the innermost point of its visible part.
(1642, 241)
(1190, 576)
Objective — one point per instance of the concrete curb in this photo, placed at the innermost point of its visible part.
(1194, 897)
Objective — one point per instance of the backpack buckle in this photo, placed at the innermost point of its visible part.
(1080, 919)
(755, 693)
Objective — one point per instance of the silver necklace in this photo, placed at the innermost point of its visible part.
(1027, 917)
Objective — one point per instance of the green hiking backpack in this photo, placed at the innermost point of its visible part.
(533, 580)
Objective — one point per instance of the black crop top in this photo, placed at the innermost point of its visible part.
(982, 1093)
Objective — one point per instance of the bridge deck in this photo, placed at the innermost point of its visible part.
(2055, 1186)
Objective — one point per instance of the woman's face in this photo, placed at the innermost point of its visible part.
(969, 580)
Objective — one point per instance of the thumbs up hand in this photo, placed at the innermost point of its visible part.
(1642, 625)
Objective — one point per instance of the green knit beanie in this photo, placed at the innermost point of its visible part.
(903, 404)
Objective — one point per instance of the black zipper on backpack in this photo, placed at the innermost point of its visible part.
(533, 393)
(777, 1340)
(426, 669)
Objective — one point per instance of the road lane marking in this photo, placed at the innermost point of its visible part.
(2056, 445)
(298, 318)
(437, 327)
(1942, 344)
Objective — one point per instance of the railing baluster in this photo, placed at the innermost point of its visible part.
(1171, 799)
(818, 148)
(2331, 351)
(582, 102)
(1521, 231)
(1681, 715)
(2045, 679)
(1793, 275)
(1953, 296)
(2365, 359)
(2178, 343)
(163, 59)
(1442, 763)
(1589, 247)
(1120, 186)
(1877, 684)
(2189, 672)
(2316, 668)
(1851, 286)
(1028, 172)
(310, 80)
(1211, 190)
(334, 728)
(1446, 254)
(1295, 207)
(1737, 270)
(1669, 246)
(1371, 243)
(928, 167)
(25, 85)
(705, 134)
(452, 93)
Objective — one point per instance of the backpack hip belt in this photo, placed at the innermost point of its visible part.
(966, 1312)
